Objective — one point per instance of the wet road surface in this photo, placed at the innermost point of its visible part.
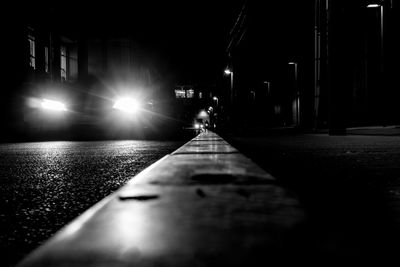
(44, 185)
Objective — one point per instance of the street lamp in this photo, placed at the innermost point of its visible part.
(216, 100)
(230, 72)
(375, 5)
(268, 84)
(297, 98)
(214, 117)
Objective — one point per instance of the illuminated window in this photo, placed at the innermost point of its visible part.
(63, 63)
(190, 93)
(180, 93)
(200, 95)
(46, 59)
(32, 52)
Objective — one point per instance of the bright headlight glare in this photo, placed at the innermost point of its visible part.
(53, 105)
(127, 104)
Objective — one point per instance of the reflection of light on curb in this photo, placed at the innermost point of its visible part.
(52, 105)
(127, 104)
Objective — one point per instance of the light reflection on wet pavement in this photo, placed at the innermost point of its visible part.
(45, 185)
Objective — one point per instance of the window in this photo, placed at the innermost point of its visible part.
(190, 93)
(63, 63)
(180, 93)
(46, 59)
(32, 53)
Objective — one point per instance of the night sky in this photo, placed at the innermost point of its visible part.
(188, 39)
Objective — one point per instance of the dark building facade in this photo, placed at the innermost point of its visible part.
(316, 64)
(357, 49)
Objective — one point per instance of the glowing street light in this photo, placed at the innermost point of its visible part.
(227, 71)
(127, 105)
(52, 105)
(230, 72)
(376, 5)
(216, 100)
(268, 85)
(297, 100)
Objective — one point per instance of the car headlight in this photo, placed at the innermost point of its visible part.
(52, 105)
(127, 105)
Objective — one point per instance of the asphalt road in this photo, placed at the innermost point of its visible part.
(349, 187)
(44, 185)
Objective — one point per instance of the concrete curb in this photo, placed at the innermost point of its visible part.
(206, 204)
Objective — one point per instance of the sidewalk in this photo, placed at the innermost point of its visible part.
(392, 130)
(375, 130)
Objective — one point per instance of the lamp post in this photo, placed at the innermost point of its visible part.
(380, 6)
(214, 114)
(216, 101)
(230, 73)
(297, 96)
(267, 84)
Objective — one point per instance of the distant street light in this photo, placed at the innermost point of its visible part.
(381, 28)
(268, 84)
(297, 97)
(216, 100)
(230, 72)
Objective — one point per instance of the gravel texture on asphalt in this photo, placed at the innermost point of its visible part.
(44, 185)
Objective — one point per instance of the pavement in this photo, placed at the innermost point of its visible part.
(348, 185)
(391, 130)
(375, 130)
(44, 185)
(367, 130)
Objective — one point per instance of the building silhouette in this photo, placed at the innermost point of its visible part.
(325, 64)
